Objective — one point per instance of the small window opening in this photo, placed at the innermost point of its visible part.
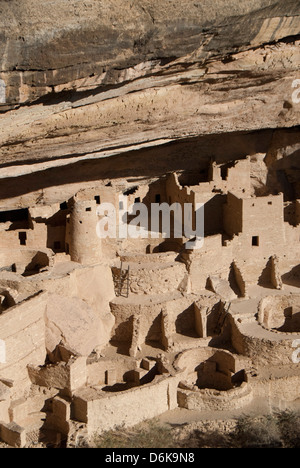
(64, 206)
(22, 238)
(57, 245)
(224, 172)
(255, 241)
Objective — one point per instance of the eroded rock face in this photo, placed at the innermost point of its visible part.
(94, 43)
(72, 323)
(126, 76)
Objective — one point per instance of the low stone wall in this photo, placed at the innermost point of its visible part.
(189, 360)
(65, 377)
(102, 412)
(105, 370)
(216, 370)
(161, 257)
(25, 259)
(281, 311)
(152, 278)
(279, 391)
(30, 411)
(209, 399)
(262, 346)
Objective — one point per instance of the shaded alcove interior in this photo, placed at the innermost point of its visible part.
(145, 163)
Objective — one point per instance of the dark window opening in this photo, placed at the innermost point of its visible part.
(14, 215)
(270, 203)
(57, 245)
(255, 241)
(189, 178)
(22, 238)
(98, 199)
(64, 206)
(137, 200)
(88, 209)
(157, 198)
(224, 172)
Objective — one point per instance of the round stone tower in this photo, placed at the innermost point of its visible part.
(83, 243)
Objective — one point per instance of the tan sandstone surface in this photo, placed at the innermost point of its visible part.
(123, 103)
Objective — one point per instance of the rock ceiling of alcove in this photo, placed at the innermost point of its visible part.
(97, 78)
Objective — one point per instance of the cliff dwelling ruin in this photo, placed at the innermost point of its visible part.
(101, 332)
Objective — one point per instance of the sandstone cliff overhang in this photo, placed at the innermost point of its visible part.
(50, 44)
(84, 81)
